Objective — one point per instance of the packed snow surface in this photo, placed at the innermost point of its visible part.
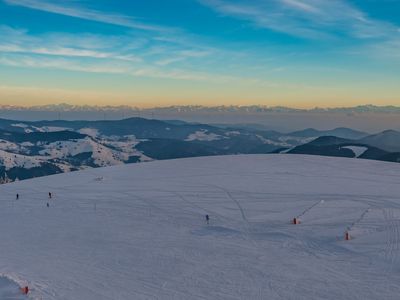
(139, 232)
(10, 290)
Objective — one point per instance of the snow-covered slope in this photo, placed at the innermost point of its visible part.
(357, 150)
(62, 151)
(138, 231)
(10, 160)
(101, 155)
(203, 135)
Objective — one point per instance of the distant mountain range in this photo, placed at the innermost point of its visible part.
(31, 149)
(64, 107)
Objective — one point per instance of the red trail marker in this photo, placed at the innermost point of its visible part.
(25, 290)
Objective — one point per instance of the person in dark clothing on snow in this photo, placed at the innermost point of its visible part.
(208, 219)
(50, 195)
(17, 197)
(48, 205)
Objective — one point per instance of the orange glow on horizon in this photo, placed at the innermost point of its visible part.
(30, 96)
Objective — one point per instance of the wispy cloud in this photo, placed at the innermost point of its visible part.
(61, 51)
(69, 64)
(65, 8)
(153, 50)
(128, 54)
(301, 5)
(83, 45)
(136, 70)
(18, 60)
(183, 55)
(307, 19)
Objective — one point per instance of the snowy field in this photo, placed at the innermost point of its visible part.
(139, 232)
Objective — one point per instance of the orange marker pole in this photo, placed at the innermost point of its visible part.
(25, 290)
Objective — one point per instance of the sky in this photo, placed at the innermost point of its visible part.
(295, 53)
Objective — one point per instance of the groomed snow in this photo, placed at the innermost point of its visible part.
(138, 231)
(10, 290)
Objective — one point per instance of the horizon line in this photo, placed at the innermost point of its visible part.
(87, 107)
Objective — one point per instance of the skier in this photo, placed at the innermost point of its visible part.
(208, 219)
(50, 195)
(17, 197)
(48, 205)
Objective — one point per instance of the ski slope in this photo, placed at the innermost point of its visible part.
(138, 231)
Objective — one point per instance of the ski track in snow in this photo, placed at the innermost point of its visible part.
(140, 232)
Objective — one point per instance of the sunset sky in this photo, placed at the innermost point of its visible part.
(298, 53)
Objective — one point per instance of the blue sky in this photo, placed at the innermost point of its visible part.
(300, 53)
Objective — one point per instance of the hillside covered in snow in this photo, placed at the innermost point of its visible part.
(139, 232)
(34, 149)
